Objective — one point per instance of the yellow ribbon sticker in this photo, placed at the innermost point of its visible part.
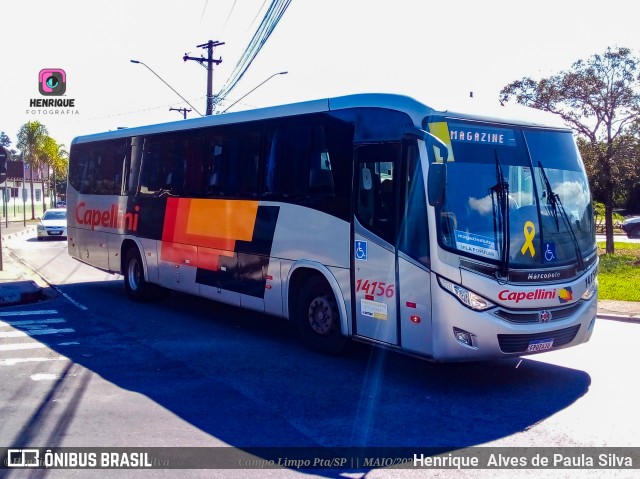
(529, 234)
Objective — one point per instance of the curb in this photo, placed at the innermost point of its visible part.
(619, 317)
(27, 231)
(20, 292)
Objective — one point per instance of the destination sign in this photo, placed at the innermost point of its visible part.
(481, 134)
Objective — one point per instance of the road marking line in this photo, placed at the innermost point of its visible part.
(14, 361)
(70, 299)
(35, 332)
(18, 346)
(7, 314)
(28, 322)
(45, 377)
(70, 343)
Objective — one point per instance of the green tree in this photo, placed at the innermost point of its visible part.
(632, 187)
(31, 139)
(624, 170)
(54, 158)
(600, 99)
(4, 139)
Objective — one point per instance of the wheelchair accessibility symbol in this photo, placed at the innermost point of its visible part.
(549, 252)
(360, 250)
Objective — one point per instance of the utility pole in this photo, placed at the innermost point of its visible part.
(184, 111)
(209, 46)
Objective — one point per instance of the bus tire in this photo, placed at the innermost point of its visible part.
(317, 317)
(137, 287)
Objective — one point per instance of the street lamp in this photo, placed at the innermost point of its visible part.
(149, 68)
(254, 89)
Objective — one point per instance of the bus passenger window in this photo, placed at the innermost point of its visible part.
(287, 168)
(100, 167)
(299, 162)
(414, 232)
(249, 162)
(162, 167)
(194, 163)
(376, 193)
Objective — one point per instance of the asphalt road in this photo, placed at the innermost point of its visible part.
(190, 372)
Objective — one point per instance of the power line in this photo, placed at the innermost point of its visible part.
(254, 18)
(204, 10)
(269, 22)
(230, 12)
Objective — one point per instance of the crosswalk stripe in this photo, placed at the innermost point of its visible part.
(18, 346)
(28, 322)
(44, 377)
(7, 314)
(14, 361)
(35, 332)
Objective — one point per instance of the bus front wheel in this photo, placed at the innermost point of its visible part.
(318, 318)
(135, 283)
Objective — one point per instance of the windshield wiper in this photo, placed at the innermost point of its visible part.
(501, 223)
(553, 200)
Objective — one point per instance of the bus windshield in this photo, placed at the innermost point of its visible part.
(515, 196)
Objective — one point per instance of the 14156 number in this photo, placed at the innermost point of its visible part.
(376, 288)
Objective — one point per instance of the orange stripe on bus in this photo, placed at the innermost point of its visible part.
(170, 216)
(212, 224)
(179, 253)
(230, 219)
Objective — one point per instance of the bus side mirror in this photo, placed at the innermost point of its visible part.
(436, 182)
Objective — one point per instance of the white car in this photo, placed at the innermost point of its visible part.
(53, 224)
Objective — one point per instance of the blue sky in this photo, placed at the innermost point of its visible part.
(434, 50)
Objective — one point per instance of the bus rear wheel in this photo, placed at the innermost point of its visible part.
(137, 287)
(317, 317)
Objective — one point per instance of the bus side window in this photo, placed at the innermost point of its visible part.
(213, 174)
(163, 166)
(249, 162)
(151, 172)
(298, 160)
(194, 156)
(376, 189)
(111, 162)
(287, 165)
(414, 232)
(84, 157)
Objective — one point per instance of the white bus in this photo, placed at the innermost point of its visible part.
(374, 217)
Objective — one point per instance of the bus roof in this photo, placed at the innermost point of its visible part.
(515, 115)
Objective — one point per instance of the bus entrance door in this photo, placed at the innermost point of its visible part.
(374, 253)
(376, 312)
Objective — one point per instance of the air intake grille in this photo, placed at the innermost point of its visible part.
(528, 317)
(518, 343)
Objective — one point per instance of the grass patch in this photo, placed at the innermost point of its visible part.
(619, 274)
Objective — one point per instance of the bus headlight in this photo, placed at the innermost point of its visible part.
(466, 297)
(591, 290)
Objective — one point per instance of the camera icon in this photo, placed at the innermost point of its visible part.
(22, 458)
(52, 81)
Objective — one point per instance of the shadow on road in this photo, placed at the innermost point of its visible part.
(245, 379)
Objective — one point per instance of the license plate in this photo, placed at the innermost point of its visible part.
(540, 345)
(55, 232)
